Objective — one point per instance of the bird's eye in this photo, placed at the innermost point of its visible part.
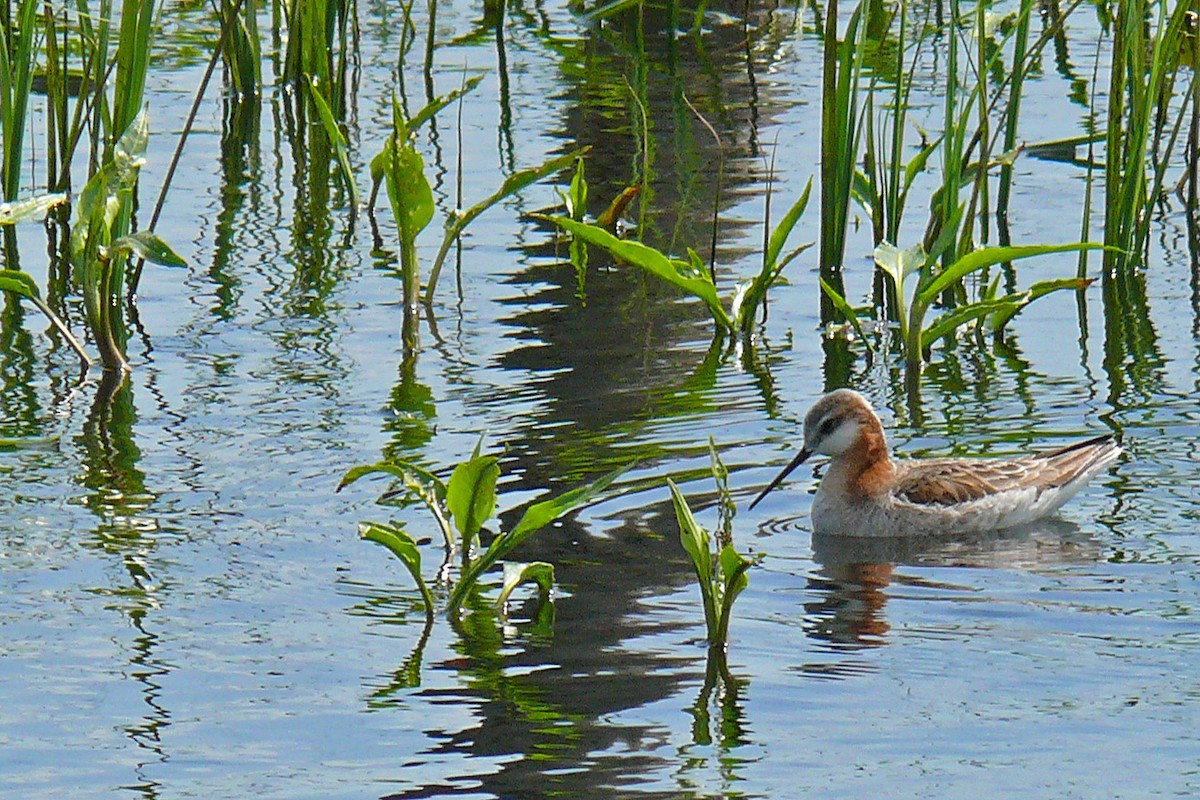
(827, 427)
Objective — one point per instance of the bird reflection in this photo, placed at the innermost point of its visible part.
(857, 573)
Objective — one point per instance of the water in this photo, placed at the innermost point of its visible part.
(187, 612)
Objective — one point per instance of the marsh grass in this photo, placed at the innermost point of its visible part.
(1139, 131)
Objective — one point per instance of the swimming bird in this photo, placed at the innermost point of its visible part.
(865, 492)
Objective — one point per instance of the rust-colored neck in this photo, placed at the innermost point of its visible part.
(870, 470)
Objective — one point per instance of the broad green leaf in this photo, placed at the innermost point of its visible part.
(403, 547)
(21, 210)
(408, 190)
(406, 471)
(471, 495)
(536, 517)
(1040, 289)
(18, 282)
(988, 256)
(147, 246)
(733, 569)
(515, 574)
(334, 132)
(731, 562)
(899, 264)
(843, 308)
(539, 515)
(129, 154)
(512, 184)
(954, 319)
(650, 260)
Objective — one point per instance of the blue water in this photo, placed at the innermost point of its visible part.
(186, 609)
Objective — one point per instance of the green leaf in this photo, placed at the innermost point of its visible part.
(844, 308)
(515, 574)
(577, 193)
(12, 213)
(1001, 318)
(988, 256)
(899, 264)
(408, 190)
(417, 481)
(539, 515)
(147, 246)
(409, 473)
(695, 541)
(438, 103)
(18, 282)
(783, 230)
(652, 261)
(471, 494)
(512, 184)
(404, 548)
(536, 517)
(334, 132)
(952, 320)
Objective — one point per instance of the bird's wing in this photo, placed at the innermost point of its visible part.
(951, 481)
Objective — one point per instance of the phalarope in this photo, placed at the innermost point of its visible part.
(865, 493)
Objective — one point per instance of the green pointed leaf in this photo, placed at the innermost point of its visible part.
(539, 515)
(471, 495)
(515, 574)
(438, 103)
(988, 256)
(408, 190)
(948, 323)
(403, 547)
(21, 210)
(536, 517)
(409, 473)
(694, 538)
(783, 230)
(336, 137)
(1002, 317)
(844, 308)
(512, 184)
(650, 260)
(18, 282)
(147, 246)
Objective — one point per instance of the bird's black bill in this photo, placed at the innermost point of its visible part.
(800, 458)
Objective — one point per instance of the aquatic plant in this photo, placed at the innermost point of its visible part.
(17, 57)
(461, 506)
(916, 337)
(721, 573)
(457, 222)
(841, 68)
(1145, 67)
(21, 284)
(101, 245)
(693, 276)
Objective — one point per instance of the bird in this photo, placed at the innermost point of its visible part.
(864, 492)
